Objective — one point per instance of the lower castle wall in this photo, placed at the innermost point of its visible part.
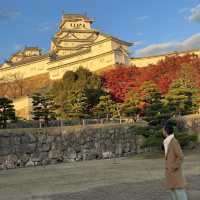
(28, 147)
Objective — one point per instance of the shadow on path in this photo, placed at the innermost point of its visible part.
(149, 190)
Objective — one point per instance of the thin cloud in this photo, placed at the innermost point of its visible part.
(183, 10)
(142, 18)
(45, 26)
(195, 14)
(7, 15)
(138, 43)
(139, 33)
(192, 42)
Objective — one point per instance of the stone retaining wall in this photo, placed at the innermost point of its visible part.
(27, 147)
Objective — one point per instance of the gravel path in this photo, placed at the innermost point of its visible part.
(125, 179)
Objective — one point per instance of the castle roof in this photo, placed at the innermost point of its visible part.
(32, 48)
(75, 16)
(117, 39)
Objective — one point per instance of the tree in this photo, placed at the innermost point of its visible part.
(183, 96)
(117, 110)
(147, 102)
(7, 111)
(44, 107)
(154, 110)
(132, 105)
(81, 81)
(182, 99)
(120, 80)
(76, 105)
(105, 107)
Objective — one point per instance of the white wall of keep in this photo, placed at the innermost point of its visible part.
(25, 70)
(93, 64)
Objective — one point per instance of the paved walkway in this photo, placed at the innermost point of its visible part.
(125, 179)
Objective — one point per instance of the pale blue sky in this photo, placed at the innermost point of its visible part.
(156, 26)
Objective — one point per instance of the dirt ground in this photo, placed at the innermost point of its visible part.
(132, 178)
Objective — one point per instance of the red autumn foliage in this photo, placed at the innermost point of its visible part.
(120, 80)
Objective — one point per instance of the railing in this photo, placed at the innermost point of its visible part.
(59, 123)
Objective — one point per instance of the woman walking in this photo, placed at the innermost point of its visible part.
(173, 161)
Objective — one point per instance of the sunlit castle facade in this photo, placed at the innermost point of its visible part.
(75, 44)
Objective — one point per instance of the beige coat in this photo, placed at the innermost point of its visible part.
(173, 162)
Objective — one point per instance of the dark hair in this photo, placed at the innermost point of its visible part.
(169, 128)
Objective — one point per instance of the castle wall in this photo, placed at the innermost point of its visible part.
(100, 55)
(23, 107)
(92, 63)
(75, 44)
(76, 143)
(145, 61)
(26, 70)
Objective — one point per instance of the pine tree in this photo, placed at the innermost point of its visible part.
(182, 99)
(154, 110)
(76, 105)
(183, 95)
(131, 106)
(81, 82)
(7, 111)
(105, 107)
(44, 107)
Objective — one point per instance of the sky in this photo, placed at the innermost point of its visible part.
(154, 26)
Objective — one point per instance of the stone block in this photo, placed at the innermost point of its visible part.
(24, 148)
(77, 148)
(24, 159)
(79, 157)
(5, 141)
(72, 156)
(5, 150)
(71, 153)
(54, 154)
(42, 139)
(89, 154)
(45, 147)
(5, 134)
(15, 140)
(30, 163)
(107, 155)
(43, 156)
(25, 139)
(32, 138)
(50, 139)
(53, 161)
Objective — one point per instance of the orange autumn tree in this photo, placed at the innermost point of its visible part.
(147, 101)
(119, 81)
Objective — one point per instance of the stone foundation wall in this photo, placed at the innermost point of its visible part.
(28, 147)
